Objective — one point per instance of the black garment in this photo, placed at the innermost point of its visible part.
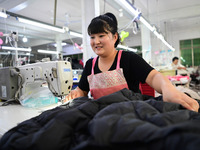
(135, 70)
(121, 120)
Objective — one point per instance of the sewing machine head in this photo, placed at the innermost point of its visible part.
(56, 74)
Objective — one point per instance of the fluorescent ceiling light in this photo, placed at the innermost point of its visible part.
(127, 6)
(4, 53)
(47, 52)
(42, 25)
(158, 35)
(49, 27)
(167, 44)
(127, 48)
(13, 48)
(151, 28)
(62, 44)
(8, 53)
(4, 15)
(76, 34)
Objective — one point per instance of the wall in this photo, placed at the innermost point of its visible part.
(173, 35)
(174, 39)
(71, 50)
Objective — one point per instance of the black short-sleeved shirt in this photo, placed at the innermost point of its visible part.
(135, 70)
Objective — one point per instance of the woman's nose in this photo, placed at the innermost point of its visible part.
(96, 40)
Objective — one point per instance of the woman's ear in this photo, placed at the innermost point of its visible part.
(116, 36)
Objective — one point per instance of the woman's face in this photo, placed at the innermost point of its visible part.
(103, 43)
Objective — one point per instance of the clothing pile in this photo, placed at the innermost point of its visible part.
(191, 93)
(122, 120)
(195, 76)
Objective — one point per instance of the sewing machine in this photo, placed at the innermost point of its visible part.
(17, 81)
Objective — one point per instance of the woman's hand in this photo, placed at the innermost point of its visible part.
(74, 94)
(175, 96)
(170, 94)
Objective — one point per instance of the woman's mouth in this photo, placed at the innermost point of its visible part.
(98, 47)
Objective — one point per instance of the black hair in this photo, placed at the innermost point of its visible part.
(175, 58)
(104, 24)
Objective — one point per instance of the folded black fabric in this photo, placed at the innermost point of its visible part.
(122, 120)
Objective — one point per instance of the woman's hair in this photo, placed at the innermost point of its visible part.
(104, 24)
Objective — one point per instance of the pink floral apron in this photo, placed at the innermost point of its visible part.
(108, 82)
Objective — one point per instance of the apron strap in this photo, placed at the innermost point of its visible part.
(118, 59)
(93, 63)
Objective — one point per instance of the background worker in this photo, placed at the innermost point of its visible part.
(180, 69)
(176, 65)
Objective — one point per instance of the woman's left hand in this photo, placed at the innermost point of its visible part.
(170, 94)
(176, 96)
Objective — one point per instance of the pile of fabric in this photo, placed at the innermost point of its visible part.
(195, 76)
(122, 120)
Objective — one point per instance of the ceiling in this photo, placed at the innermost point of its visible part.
(176, 13)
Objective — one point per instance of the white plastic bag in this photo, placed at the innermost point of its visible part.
(39, 97)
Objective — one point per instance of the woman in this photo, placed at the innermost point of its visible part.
(114, 70)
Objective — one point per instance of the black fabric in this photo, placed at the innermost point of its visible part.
(121, 120)
(134, 67)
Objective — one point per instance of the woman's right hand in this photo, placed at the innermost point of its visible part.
(74, 94)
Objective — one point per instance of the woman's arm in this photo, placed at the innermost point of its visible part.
(75, 93)
(170, 94)
(181, 68)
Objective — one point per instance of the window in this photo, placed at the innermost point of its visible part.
(190, 52)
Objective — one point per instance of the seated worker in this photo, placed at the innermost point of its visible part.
(181, 70)
(114, 70)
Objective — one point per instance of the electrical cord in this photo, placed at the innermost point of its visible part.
(17, 92)
(135, 27)
(50, 85)
(71, 39)
(127, 25)
(10, 101)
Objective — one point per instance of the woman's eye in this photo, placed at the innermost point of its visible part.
(91, 37)
(101, 35)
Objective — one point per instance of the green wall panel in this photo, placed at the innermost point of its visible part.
(196, 56)
(190, 49)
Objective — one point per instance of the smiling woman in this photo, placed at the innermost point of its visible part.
(114, 70)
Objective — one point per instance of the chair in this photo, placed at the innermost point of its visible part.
(146, 89)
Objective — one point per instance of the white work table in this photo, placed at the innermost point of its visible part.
(14, 114)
